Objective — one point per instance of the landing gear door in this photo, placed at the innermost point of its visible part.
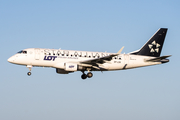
(37, 54)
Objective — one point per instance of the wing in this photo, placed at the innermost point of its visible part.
(101, 60)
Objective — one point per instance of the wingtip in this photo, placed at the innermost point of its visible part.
(119, 52)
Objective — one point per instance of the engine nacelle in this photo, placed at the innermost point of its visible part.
(65, 68)
(70, 67)
(59, 65)
(62, 71)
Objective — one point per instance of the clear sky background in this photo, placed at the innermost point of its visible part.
(149, 93)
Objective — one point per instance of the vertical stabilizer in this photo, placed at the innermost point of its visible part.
(154, 45)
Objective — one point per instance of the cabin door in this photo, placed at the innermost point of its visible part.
(37, 54)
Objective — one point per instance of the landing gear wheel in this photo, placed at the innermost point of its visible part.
(29, 73)
(89, 75)
(83, 76)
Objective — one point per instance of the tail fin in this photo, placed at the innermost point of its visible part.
(154, 45)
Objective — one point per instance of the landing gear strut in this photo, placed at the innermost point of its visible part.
(29, 66)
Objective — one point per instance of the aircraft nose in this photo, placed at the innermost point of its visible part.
(11, 59)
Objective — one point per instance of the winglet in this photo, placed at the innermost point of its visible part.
(119, 52)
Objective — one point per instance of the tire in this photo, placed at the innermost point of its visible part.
(83, 76)
(89, 75)
(29, 73)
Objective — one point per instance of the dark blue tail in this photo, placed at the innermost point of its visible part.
(154, 45)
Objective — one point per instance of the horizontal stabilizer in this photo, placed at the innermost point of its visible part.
(157, 59)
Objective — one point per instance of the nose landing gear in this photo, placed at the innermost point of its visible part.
(29, 66)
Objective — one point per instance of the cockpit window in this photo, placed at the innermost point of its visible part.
(23, 52)
(20, 51)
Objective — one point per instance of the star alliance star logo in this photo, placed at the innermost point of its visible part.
(154, 47)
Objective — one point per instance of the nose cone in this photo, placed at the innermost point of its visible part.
(11, 59)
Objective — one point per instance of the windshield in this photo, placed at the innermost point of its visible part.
(23, 52)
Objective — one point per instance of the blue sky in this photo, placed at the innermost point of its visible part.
(138, 94)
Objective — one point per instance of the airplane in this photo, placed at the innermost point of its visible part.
(68, 61)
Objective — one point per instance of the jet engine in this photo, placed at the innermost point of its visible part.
(65, 68)
(70, 67)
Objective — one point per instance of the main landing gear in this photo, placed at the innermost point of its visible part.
(29, 66)
(88, 75)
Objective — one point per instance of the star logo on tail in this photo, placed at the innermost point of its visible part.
(154, 47)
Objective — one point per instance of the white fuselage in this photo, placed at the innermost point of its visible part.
(56, 58)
